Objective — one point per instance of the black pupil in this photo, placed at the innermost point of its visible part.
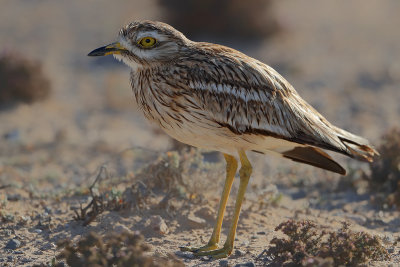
(148, 40)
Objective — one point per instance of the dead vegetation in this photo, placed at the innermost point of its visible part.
(308, 245)
(236, 19)
(384, 177)
(154, 187)
(22, 80)
(117, 249)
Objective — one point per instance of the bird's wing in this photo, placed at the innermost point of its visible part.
(249, 97)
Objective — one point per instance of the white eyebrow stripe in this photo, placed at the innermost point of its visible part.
(154, 34)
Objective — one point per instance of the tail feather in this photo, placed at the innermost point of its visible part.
(358, 147)
(315, 157)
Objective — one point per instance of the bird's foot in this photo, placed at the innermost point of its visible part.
(217, 253)
(208, 247)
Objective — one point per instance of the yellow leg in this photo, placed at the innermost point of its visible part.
(245, 172)
(231, 167)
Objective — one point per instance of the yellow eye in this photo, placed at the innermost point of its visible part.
(147, 42)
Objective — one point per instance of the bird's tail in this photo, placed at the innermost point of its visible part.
(358, 147)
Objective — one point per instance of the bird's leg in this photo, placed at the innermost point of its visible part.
(245, 172)
(231, 167)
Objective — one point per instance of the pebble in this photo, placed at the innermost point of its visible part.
(14, 197)
(38, 231)
(261, 233)
(10, 258)
(206, 258)
(239, 253)
(24, 220)
(48, 210)
(158, 224)
(223, 263)
(13, 244)
(195, 221)
(206, 213)
(184, 254)
(245, 243)
(120, 228)
(247, 264)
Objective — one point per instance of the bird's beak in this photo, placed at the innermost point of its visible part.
(114, 48)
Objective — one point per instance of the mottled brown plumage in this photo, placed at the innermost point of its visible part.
(214, 97)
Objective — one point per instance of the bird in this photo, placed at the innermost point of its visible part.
(214, 97)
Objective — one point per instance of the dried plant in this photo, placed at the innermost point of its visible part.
(307, 245)
(22, 80)
(123, 249)
(384, 177)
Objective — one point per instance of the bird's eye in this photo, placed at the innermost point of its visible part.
(147, 42)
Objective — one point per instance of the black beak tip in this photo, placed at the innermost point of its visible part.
(97, 52)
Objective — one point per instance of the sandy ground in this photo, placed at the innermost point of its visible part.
(343, 57)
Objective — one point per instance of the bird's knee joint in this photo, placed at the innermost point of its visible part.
(245, 171)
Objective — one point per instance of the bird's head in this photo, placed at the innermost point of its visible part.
(145, 43)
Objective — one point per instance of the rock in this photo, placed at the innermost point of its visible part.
(156, 223)
(223, 263)
(14, 197)
(48, 210)
(239, 253)
(38, 231)
(261, 233)
(10, 258)
(184, 254)
(13, 244)
(245, 243)
(195, 222)
(247, 264)
(24, 220)
(120, 228)
(206, 213)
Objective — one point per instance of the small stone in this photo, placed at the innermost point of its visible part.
(184, 254)
(223, 263)
(206, 258)
(13, 244)
(26, 260)
(157, 224)
(245, 243)
(239, 253)
(10, 258)
(48, 210)
(14, 197)
(207, 213)
(38, 231)
(195, 221)
(247, 264)
(261, 233)
(120, 228)
(24, 220)
(254, 237)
